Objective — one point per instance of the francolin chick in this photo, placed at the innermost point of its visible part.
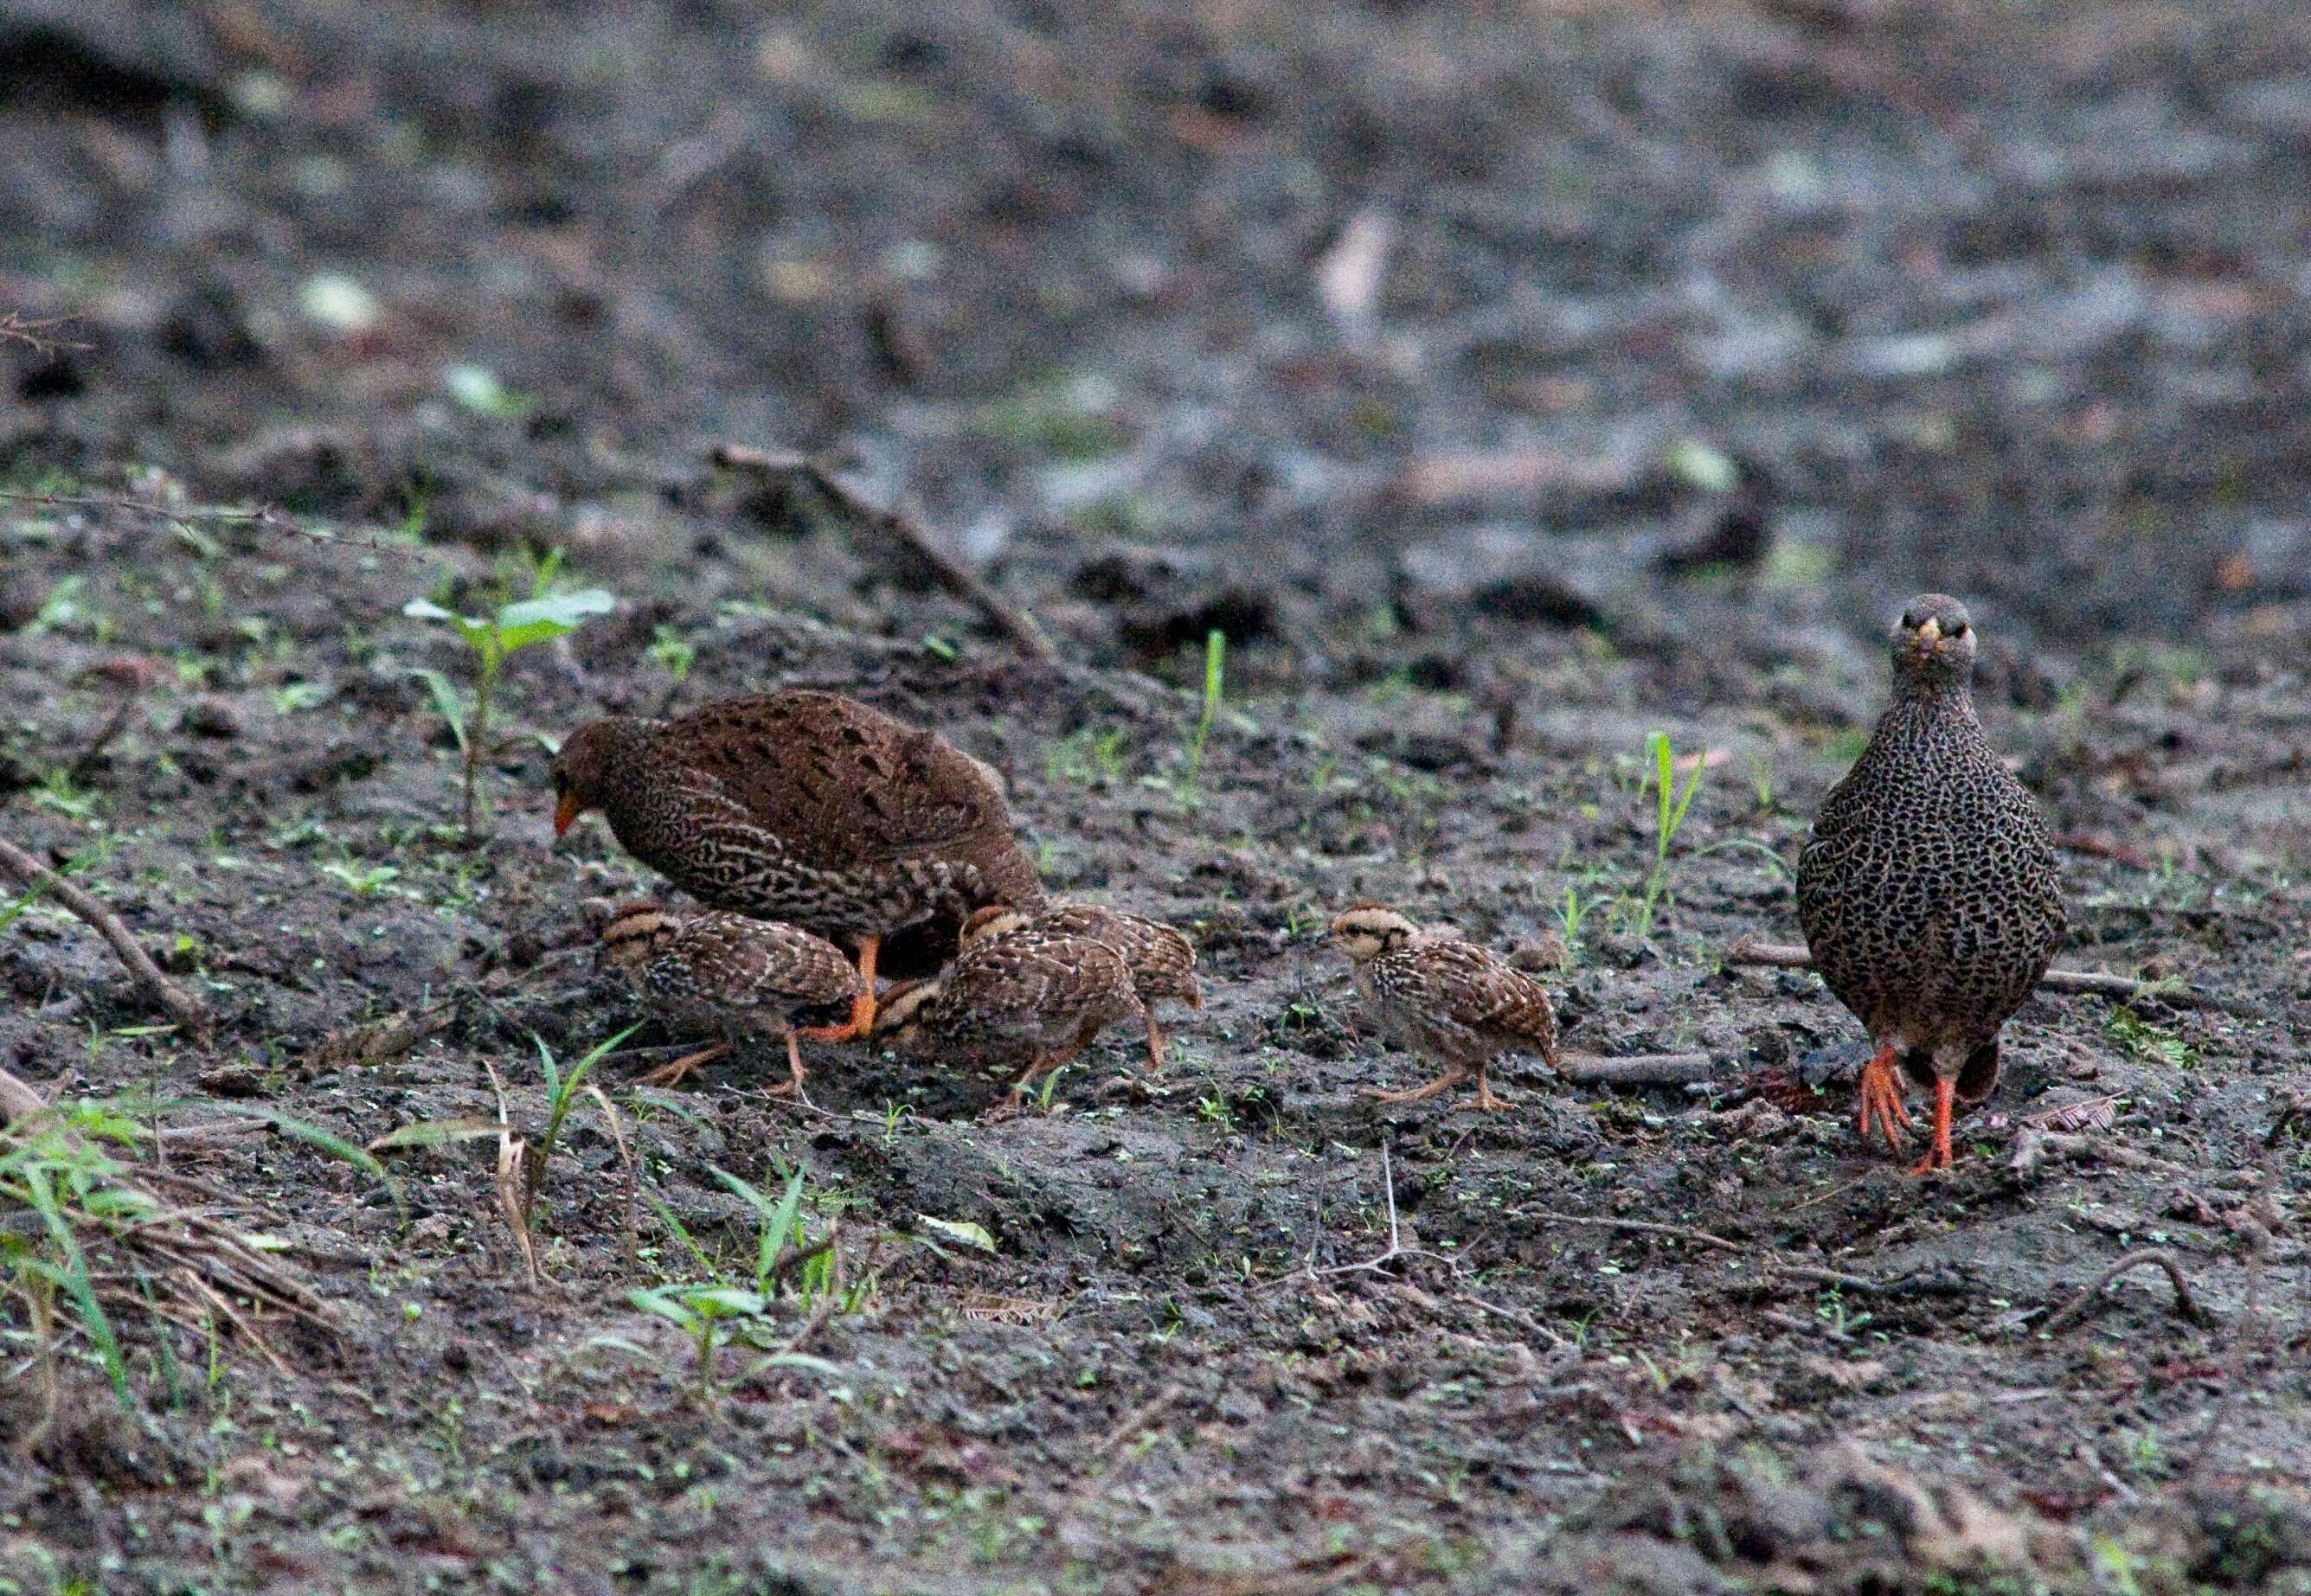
(802, 806)
(1162, 962)
(1445, 999)
(1928, 893)
(729, 973)
(1026, 994)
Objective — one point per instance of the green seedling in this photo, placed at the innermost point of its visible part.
(719, 1311)
(1669, 807)
(55, 1170)
(1215, 664)
(1577, 913)
(673, 652)
(491, 640)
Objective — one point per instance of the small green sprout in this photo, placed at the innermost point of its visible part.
(1215, 662)
(492, 638)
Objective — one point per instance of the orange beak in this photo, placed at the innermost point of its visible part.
(565, 811)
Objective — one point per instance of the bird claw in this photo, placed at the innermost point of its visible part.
(1881, 1102)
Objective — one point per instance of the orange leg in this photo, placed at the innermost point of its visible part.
(793, 1088)
(1945, 1098)
(1442, 1082)
(862, 1006)
(1882, 1099)
(678, 1071)
(1486, 1099)
(1155, 1046)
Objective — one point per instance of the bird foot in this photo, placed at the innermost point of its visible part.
(1442, 1082)
(1489, 1100)
(676, 1071)
(861, 1022)
(1938, 1156)
(1881, 1100)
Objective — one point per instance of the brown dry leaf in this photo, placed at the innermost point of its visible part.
(1847, 1373)
(988, 1308)
(379, 1041)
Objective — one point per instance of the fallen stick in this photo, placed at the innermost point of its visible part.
(182, 1006)
(2184, 1303)
(902, 528)
(1683, 1233)
(1642, 1070)
(1774, 956)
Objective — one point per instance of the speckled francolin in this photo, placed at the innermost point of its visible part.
(1162, 962)
(1446, 1000)
(1024, 995)
(803, 806)
(729, 973)
(1928, 893)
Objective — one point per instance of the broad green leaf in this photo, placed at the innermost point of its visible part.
(445, 699)
(727, 1301)
(960, 1231)
(557, 614)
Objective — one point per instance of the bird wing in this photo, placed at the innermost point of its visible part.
(1486, 995)
(848, 781)
(765, 961)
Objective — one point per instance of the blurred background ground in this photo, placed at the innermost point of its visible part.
(1505, 383)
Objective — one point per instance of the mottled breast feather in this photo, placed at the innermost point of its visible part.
(1162, 962)
(1928, 893)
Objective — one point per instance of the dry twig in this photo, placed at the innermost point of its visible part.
(1643, 1069)
(513, 1181)
(1682, 1232)
(2184, 1304)
(1774, 956)
(262, 516)
(181, 1005)
(18, 328)
(904, 529)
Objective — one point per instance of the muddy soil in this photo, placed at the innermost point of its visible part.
(1506, 386)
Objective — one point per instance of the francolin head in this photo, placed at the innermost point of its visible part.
(1162, 962)
(727, 973)
(1445, 999)
(803, 806)
(1928, 893)
(1024, 995)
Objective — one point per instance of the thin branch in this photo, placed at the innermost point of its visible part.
(2184, 1304)
(1773, 955)
(182, 1006)
(901, 527)
(1644, 1228)
(18, 328)
(1521, 1320)
(262, 516)
(1643, 1070)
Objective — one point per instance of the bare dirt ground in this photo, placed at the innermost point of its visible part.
(1507, 384)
